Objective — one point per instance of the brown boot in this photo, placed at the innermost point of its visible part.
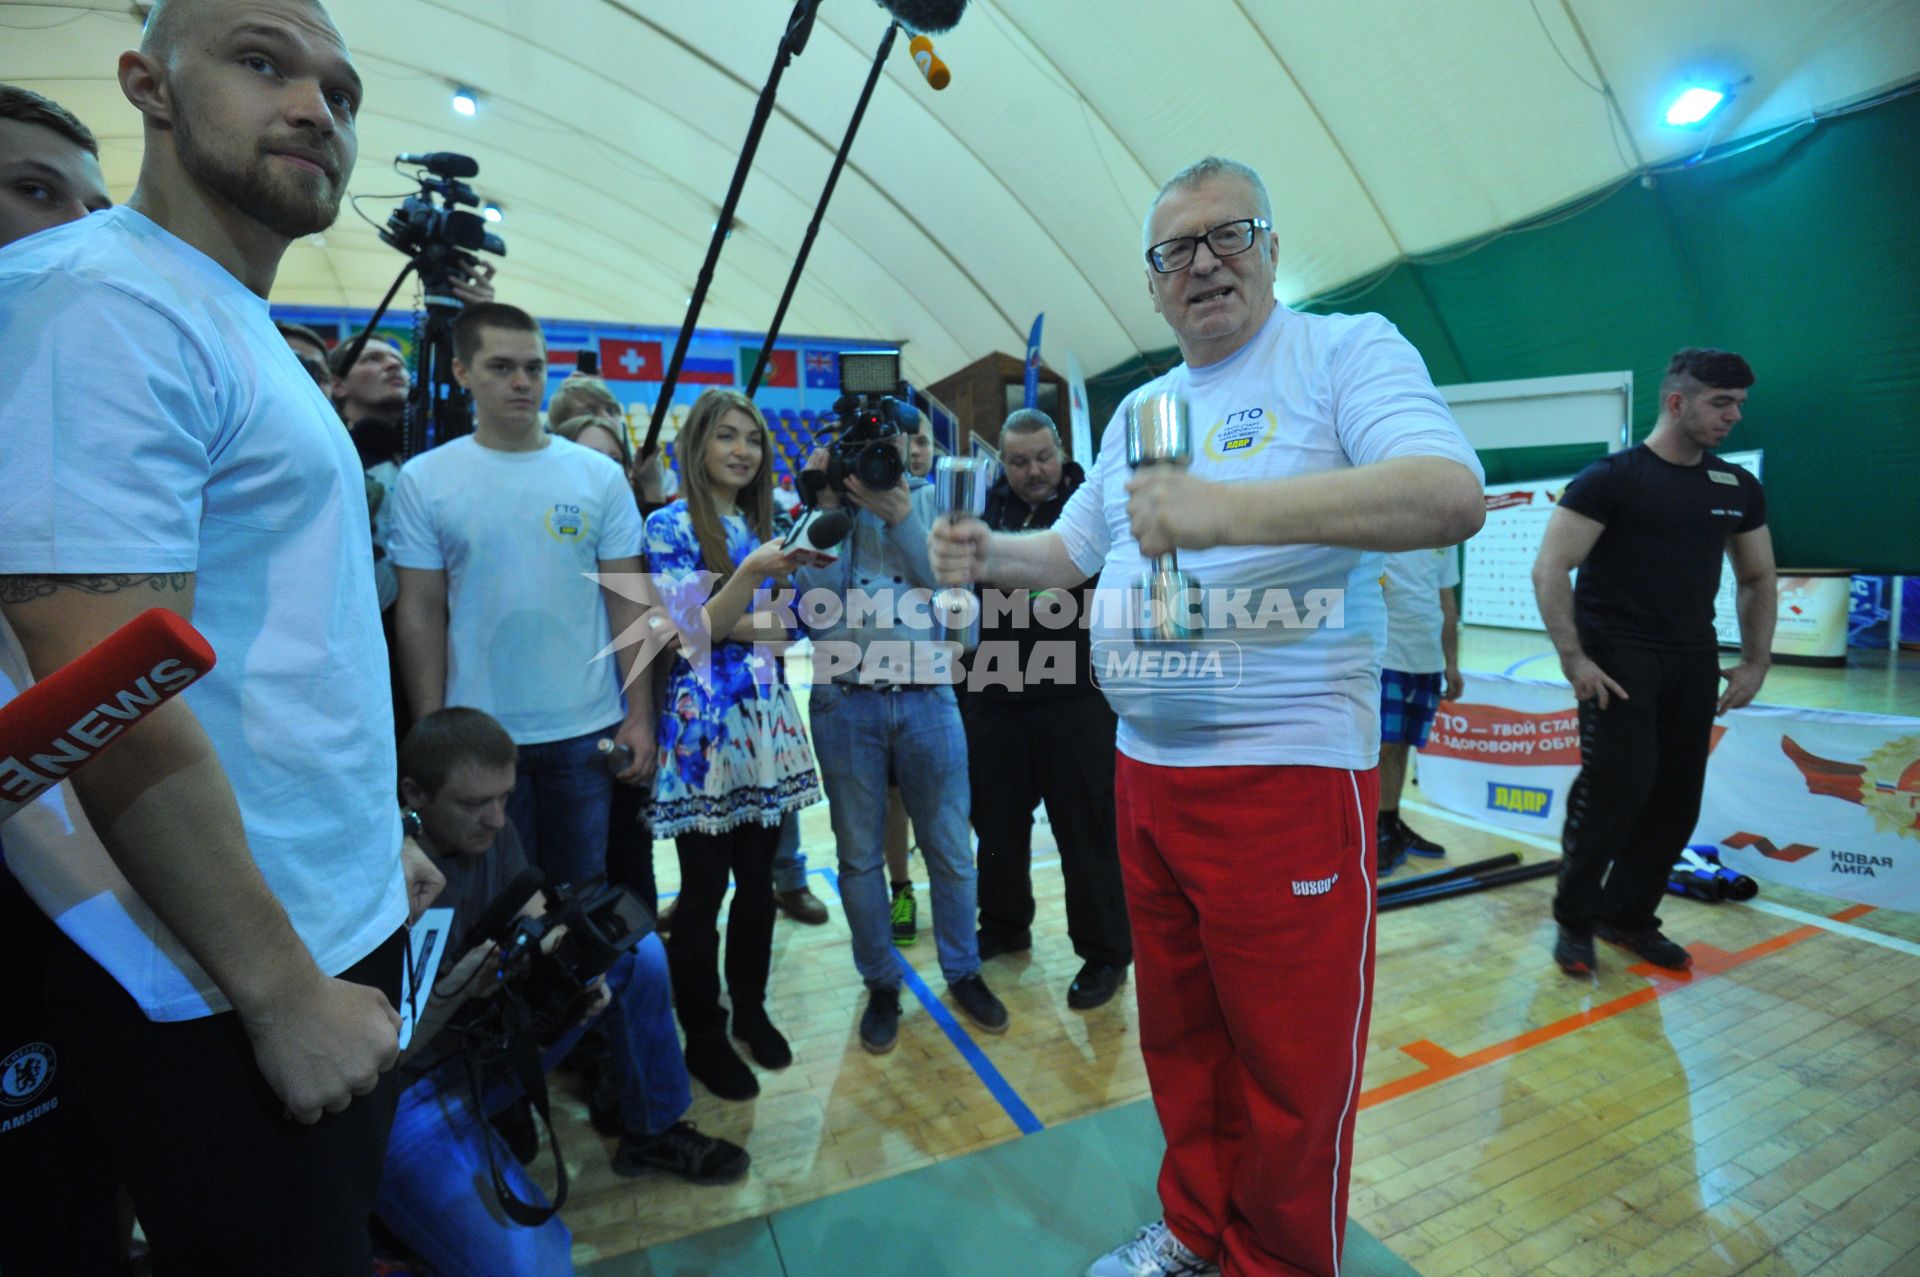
(802, 906)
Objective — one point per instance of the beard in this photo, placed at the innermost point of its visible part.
(290, 204)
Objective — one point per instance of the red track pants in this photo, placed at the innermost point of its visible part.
(1251, 895)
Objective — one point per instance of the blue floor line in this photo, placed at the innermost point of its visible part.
(983, 1068)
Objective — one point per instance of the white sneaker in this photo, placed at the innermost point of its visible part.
(1153, 1252)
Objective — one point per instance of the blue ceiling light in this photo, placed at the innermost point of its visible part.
(465, 102)
(491, 212)
(1693, 105)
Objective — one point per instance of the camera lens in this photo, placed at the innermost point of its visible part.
(879, 465)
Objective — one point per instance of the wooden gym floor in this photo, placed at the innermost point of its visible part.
(1759, 1116)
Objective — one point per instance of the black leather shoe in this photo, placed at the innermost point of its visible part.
(1095, 985)
(715, 1065)
(766, 1043)
(802, 906)
(995, 943)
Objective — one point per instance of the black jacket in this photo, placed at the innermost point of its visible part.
(1006, 512)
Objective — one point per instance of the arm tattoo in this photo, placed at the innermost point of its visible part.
(24, 589)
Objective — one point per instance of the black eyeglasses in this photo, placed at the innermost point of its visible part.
(1228, 239)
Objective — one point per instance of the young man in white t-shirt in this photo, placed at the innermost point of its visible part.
(227, 879)
(1421, 668)
(496, 537)
(1245, 786)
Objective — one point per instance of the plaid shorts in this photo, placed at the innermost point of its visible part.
(1407, 704)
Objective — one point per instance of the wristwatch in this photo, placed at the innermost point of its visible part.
(409, 822)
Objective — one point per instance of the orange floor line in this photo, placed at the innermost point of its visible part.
(1439, 1064)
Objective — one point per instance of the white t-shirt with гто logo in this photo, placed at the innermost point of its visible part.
(156, 422)
(1288, 669)
(518, 534)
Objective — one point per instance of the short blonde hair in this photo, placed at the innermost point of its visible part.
(578, 396)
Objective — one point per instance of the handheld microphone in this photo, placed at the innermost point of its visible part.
(64, 721)
(929, 62)
(444, 163)
(926, 15)
(819, 531)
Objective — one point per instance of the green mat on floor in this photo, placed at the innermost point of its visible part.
(1041, 1206)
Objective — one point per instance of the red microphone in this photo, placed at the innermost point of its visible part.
(65, 720)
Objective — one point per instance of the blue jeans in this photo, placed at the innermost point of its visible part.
(859, 736)
(559, 807)
(789, 862)
(434, 1188)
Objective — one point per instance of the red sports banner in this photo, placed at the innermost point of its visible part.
(1817, 799)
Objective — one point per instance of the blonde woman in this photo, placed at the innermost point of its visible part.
(734, 758)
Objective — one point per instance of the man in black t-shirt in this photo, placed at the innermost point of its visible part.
(1039, 729)
(1647, 528)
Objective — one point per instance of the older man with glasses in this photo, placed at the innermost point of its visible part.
(1245, 797)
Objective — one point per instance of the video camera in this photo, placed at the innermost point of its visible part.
(441, 238)
(602, 921)
(872, 414)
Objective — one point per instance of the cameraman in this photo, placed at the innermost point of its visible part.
(872, 720)
(456, 772)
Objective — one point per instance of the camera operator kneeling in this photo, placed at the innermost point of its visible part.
(457, 769)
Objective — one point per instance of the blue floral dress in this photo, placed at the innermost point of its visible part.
(735, 748)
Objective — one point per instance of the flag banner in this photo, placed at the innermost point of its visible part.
(707, 371)
(782, 368)
(823, 369)
(1033, 362)
(1085, 447)
(1818, 799)
(623, 360)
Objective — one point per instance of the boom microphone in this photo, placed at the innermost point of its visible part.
(926, 15)
(64, 721)
(929, 62)
(445, 163)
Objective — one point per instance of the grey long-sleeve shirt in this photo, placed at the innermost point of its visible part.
(881, 628)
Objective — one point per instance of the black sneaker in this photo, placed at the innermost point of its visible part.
(977, 1000)
(1415, 843)
(995, 943)
(715, 1065)
(880, 1023)
(1095, 985)
(682, 1150)
(1648, 944)
(768, 1046)
(1391, 853)
(1573, 951)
